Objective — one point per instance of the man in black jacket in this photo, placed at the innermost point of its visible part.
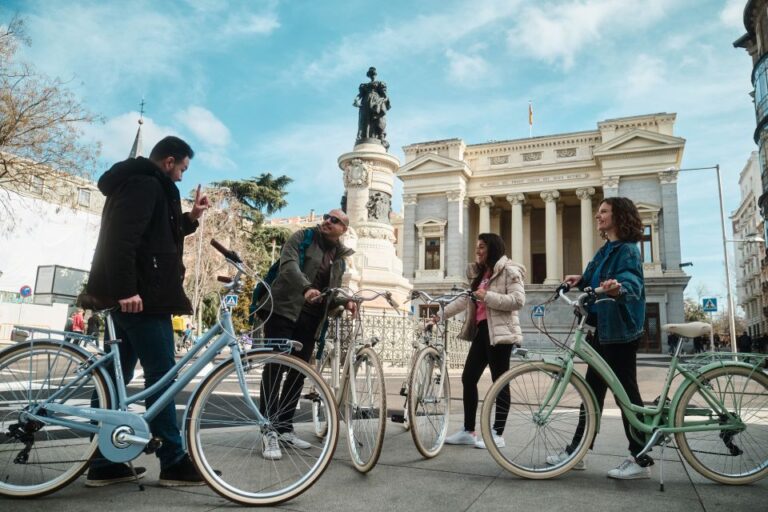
(138, 267)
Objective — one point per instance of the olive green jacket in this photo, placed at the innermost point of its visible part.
(291, 282)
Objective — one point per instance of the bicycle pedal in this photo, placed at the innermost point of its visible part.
(403, 391)
(398, 418)
(153, 445)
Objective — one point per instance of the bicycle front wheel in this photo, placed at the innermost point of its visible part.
(429, 402)
(365, 409)
(319, 413)
(545, 440)
(731, 456)
(258, 464)
(37, 458)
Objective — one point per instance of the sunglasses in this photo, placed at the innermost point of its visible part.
(333, 219)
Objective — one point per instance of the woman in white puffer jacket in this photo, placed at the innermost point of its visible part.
(492, 325)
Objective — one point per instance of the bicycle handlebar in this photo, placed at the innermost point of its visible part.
(358, 298)
(227, 253)
(440, 299)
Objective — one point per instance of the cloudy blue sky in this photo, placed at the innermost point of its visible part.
(268, 85)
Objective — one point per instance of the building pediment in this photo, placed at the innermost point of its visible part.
(432, 163)
(639, 141)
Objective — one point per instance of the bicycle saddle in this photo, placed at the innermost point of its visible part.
(689, 330)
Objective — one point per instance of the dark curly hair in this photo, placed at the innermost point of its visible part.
(495, 247)
(626, 219)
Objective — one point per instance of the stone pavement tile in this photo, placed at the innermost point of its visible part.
(391, 488)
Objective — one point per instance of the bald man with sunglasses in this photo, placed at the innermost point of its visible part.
(298, 313)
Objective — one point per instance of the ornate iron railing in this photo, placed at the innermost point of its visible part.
(398, 334)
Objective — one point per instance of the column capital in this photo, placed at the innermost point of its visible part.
(455, 195)
(516, 198)
(410, 199)
(550, 195)
(484, 201)
(667, 177)
(610, 181)
(585, 193)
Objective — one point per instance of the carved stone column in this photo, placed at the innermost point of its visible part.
(610, 186)
(670, 260)
(485, 203)
(409, 234)
(368, 173)
(454, 248)
(587, 224)
(517, 200)
(550, 198)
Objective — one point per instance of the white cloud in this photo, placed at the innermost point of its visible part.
(205, 125)
(412, 37)
(558, 32)
(117, 134)
(468, 70)
(645, 76)
(252, 24)
(732, 15)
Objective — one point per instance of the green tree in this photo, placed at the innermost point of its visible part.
(235, 219)
(258, 196)
(693, 311)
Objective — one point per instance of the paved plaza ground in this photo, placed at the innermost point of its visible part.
(459, 479)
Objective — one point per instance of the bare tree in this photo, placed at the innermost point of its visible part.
(40, 124)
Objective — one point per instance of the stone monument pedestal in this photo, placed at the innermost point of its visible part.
(368, 178)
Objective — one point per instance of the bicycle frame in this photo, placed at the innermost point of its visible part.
(120, 415)
(655, 413)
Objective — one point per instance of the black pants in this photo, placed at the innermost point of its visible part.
(482, 354)
(622, 358)
(279, 405)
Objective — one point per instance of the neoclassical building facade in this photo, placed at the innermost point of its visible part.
(540, 194)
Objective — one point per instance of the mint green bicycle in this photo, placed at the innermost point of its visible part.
(718, 414)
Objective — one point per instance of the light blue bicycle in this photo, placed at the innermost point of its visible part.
(58, 404)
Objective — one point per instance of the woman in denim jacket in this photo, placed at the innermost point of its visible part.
(617, 268)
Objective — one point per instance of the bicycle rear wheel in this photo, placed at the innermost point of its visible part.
(727, 456)
(429, 402)
(366, 411)
(224, 433)
(37, 458)
(542, 441)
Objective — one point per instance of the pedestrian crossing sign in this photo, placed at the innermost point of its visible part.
(230, 301)
(538, 311)
(709, 304)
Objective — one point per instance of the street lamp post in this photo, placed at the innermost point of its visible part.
(729, 296)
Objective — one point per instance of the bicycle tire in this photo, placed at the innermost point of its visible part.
(222, 433)
(32, 372)
(366, 416)
(429, 402)
(532, 441)
(319, 413)
(741, 457)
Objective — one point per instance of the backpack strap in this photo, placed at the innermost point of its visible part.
(305, 243)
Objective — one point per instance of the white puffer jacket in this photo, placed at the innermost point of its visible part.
(505, 297)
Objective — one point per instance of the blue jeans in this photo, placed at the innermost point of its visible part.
(149, 340)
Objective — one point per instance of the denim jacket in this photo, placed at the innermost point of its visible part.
(621, 320)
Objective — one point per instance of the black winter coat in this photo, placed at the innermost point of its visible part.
(141, 240)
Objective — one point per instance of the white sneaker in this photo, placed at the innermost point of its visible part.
(629, 470)
(270, 447)
(461, 437)
(292, 439)
(561, 456)
(498, 440)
